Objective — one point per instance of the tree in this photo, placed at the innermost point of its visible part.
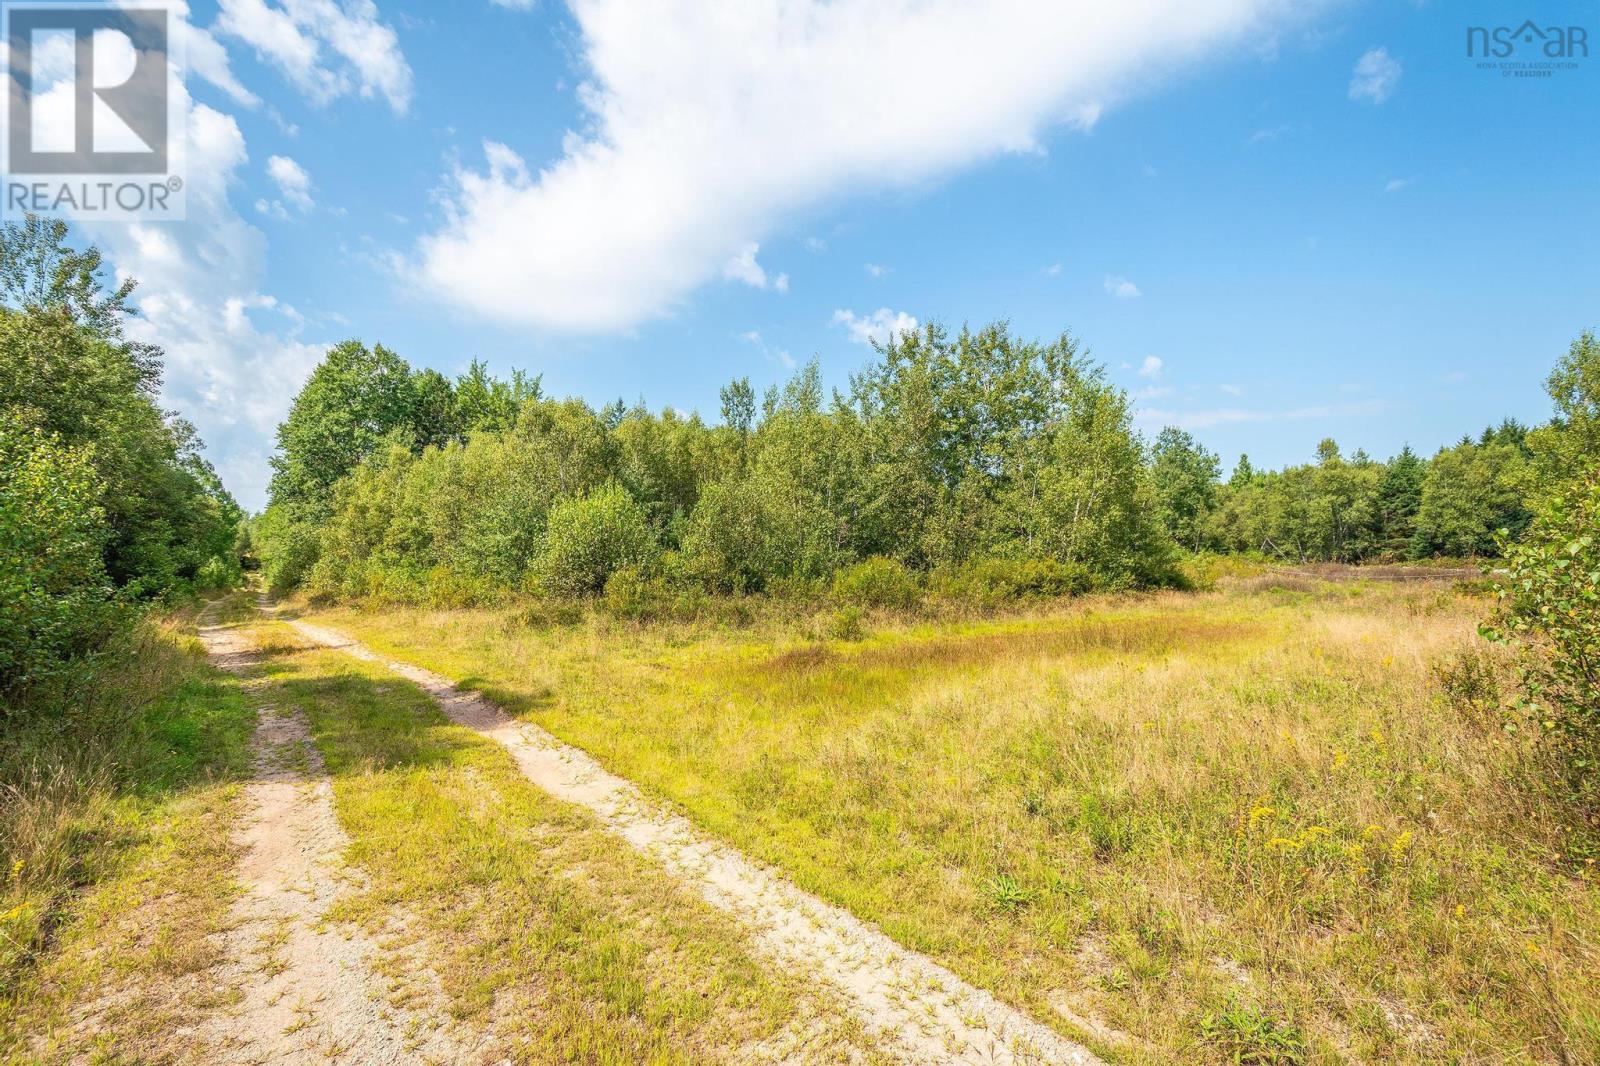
(1399, 500)
(52, 575)
(1184, 476)
(354, 399)
(589, 538)
(66, 371)
(1471, 492)
(1572, 439)
(40, 271)
(739, 406)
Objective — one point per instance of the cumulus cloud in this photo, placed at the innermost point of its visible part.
(881, 326)
(294, 184)
(326, 49)
(1151, 367)
(234, 356)
(707, 123)
(1121, 287)
(744, 268)
(1375, 76)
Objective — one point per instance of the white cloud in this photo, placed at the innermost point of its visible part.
(1151, 367)
(780, 356)
(294, 184)
(1231, 390)
(326, 49)
(1375, 76)
(876, 270)
(1053, 270)
(745, 268)
(881, 326)
(1270, 133)
(206, 57)
(708, 124)
(1396, 184)
(234, 357)
(1120, 287)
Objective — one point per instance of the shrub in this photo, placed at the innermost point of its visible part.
(1549, 602)
(58, 600)
(989, 582)
(217, 573)
(845, 624)
(589, 538)
(633, 594)
(876, 582)
(748, 532)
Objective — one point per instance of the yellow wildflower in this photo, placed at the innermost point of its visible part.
(1371, 831)
(1339, 759)
(1377, 737)
(1461, 910)
(1401, 845)
(14, 913)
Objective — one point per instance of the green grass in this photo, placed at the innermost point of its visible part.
(531, 914)
(115, 840)
(1213, 823)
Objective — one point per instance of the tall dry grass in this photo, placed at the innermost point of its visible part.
(1280, 820)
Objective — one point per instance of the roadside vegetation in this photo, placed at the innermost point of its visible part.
(117, 743)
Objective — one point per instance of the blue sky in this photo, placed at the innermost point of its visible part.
(1270, 227)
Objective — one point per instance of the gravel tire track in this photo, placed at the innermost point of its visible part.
(309, 994)
(923, 1011)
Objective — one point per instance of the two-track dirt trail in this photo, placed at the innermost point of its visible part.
(920, 1009)
(308, 993)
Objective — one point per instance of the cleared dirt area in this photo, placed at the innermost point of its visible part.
(308, 993)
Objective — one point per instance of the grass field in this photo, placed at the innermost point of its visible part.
(1276, 822)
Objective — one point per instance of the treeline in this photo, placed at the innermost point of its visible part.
(105, 501)
(950, 451)
(973, 461)
(1351, 509)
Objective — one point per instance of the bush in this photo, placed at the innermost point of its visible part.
(845, 624)
(1550, 604)
(589, 538)
(747, 533)
(876, 582)
(218, 573)
(58, 600)
(991, 582)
